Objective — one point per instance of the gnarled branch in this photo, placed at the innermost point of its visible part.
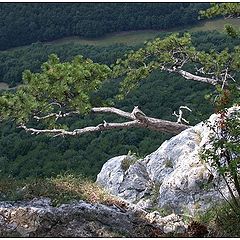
(101, 127)
(138, 121)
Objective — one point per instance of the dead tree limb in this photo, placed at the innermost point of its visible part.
(137, 121)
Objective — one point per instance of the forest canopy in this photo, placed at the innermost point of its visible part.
(25, 23)
(92, 156)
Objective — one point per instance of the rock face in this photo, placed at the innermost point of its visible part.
(38, 218)
(126, 177)
(172, 178)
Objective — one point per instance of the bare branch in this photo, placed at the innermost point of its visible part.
(56, 115)
(47, 131)
(144, 121)
(213, 81)
(108, 126)
(139, 120)
(190, 76)
(99, 128)
(164, 126)
(113, 110)
(225, 78)
(180, 114)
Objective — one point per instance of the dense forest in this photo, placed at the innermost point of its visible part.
(23, 155)
(14, 62)
(81, 83)
(25, 23)
(46, 156)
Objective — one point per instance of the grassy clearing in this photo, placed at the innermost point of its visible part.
(3, 86)
(132, 38)
(61, 189)
(217, 25)
(128, 38)
(137, 37)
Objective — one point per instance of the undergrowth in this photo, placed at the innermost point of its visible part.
(61, 189)
(222, 221)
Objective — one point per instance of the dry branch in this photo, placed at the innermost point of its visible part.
(138, 121)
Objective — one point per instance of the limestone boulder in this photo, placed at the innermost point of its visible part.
(174, 177)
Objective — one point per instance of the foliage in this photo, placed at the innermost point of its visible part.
(225, 9)
(223, 151)
(24, 23)
(221, 220)
(51, 156)
(171, 54)
(14, 62)
(228, 10)
(48, 157)
(60, 86)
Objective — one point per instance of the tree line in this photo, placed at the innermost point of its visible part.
(25, 23)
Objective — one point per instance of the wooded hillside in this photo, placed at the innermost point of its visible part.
(156, 96)
(25, 23)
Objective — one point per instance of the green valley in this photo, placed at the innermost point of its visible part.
(115, 98)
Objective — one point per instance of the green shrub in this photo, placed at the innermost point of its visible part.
(127, 162)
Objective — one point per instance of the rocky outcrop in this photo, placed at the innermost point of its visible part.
(173, 177)
(38, 218)
(126, 177)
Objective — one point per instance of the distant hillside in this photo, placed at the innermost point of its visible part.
(24, 156)
(25, 23)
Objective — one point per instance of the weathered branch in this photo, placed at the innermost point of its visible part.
(190, 76)
(56, 115)
(113, 110)
(47, 131)
(139, 120)
(101, 127)
(144, 121)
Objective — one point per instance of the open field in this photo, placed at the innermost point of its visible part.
(3, 86)
(136, 37)
(215, 25)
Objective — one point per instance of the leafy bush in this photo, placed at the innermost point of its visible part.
(223, 152)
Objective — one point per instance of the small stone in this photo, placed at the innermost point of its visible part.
(169, 229)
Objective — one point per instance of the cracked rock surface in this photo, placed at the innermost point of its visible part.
(172, 178)
(38, 218)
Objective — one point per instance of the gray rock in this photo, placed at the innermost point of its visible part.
(38, 218)
(126, 177)
(174, 174)
(112, 174)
